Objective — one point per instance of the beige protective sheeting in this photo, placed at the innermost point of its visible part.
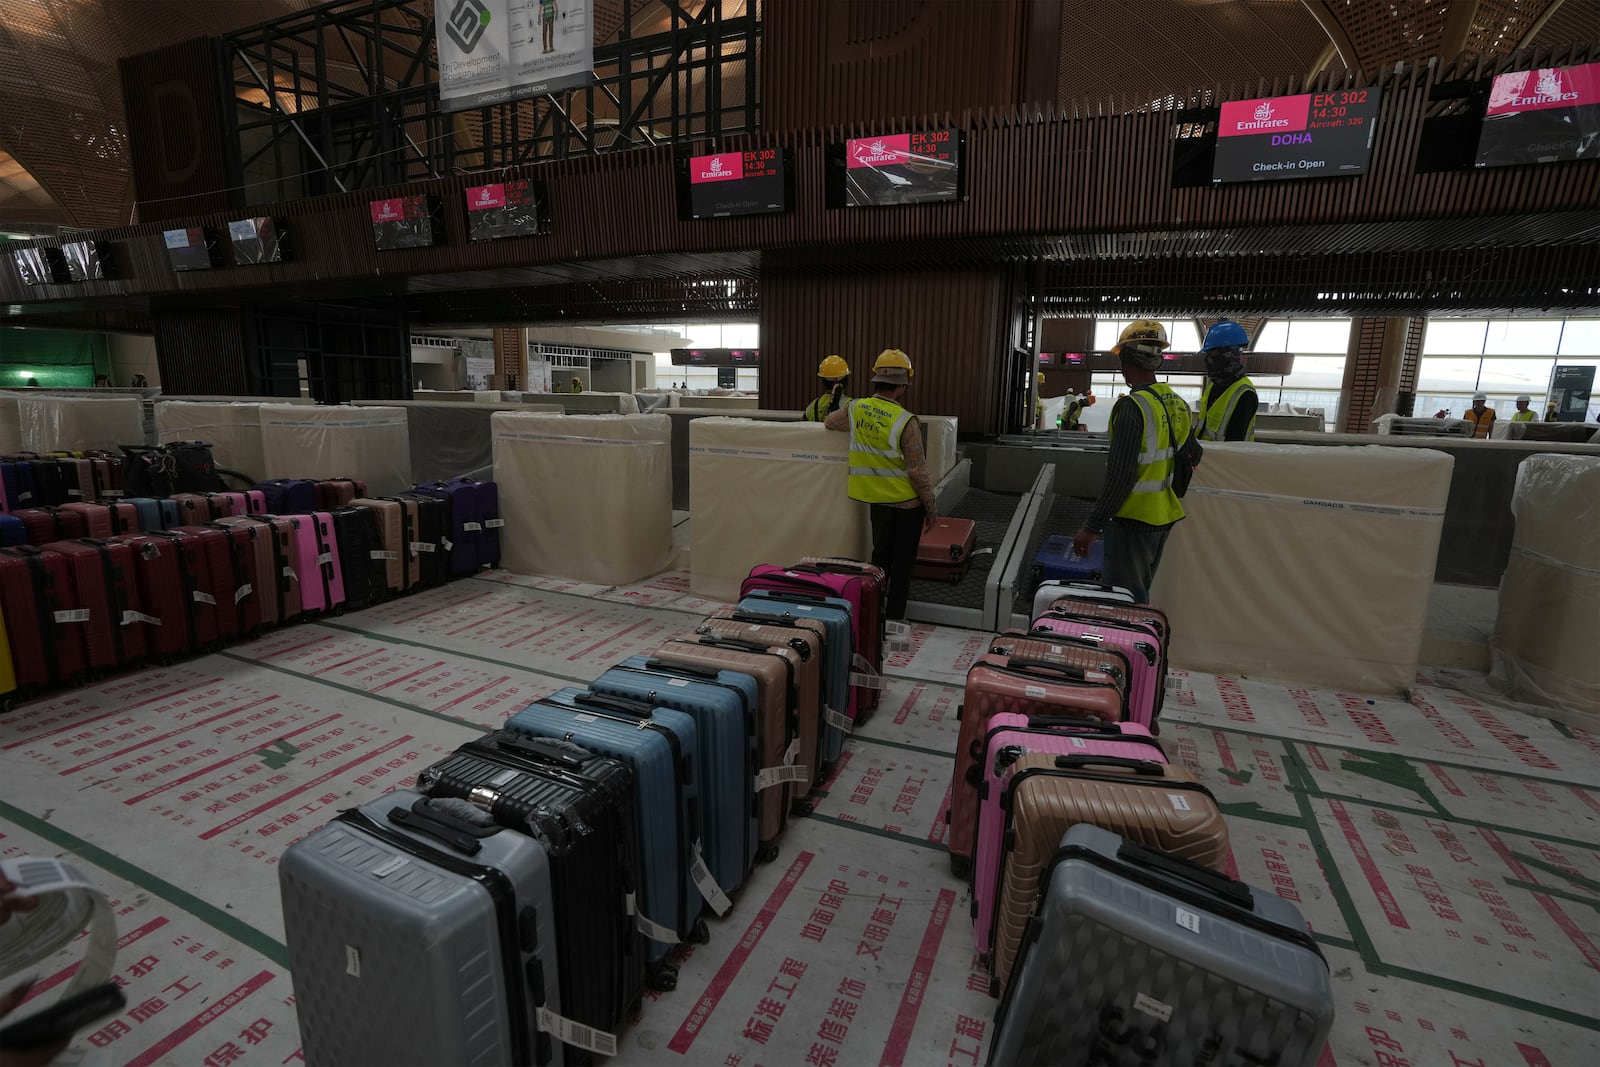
(1306, 563)
(587, 498)
(79, 423)
(10, 423)
(371, 444)
(232, 430)
(1545, 646)
(767, 492)
(941, 445)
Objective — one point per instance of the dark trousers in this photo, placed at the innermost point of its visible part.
(895, 533)
(1133, 552)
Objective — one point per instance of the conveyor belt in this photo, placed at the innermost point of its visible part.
(992, 512)
(1066, 516)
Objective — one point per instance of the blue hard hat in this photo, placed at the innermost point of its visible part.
(1226, 334)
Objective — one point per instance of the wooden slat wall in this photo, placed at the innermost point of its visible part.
(951, 323)
(202, 351)
(1027, 175)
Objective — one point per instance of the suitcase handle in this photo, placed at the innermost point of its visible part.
(1215, 882)
(639, 709)
(1141, 766)
(1074, 723)
(540, 749)
(459, 834)
(809, 598)
(1034, 665)
(680, 668)
(1099, 587)
(762, 619)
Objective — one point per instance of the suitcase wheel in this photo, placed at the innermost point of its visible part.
(767, 852)
(7, 702)
(961, 866)
(801, 808)
(701, 934)
(661, 977)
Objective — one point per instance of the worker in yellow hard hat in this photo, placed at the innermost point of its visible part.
(577, 384)
(889, 472)
(835, 375)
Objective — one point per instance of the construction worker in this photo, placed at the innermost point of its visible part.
(1481, 416)
(1138, 506)
(889, 472)
(1523, 414)
(1228, 402)
(835, 375)
(1072, 410)
(577, 384)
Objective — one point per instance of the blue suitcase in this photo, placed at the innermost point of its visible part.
(289, 496)
(1056, 563)
(12, 531)
(723, 705)
(839, 697)
(18, 477)
(658, 745)
(151, 516)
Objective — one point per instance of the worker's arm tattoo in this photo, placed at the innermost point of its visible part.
(917, 463)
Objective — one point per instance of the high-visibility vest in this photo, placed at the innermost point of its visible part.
(817, 410)
(1215, 415)
(1152, 500)
(1482, 425)
(1523, 416)
(877, 464)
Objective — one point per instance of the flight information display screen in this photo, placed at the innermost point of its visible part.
(406, 222)
(1313, 135)
(734, 183)
(1542, 116)
(507, 209)
(258, 240)
(903, 168)
(190, 248)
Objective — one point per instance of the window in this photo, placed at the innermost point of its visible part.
(1503, 358)
(707, 335)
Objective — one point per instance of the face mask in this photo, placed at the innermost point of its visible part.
(1224, 362)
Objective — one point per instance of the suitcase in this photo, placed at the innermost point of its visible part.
(1159, 805)
(337, 492)
(1074, 682)
(170, 568)
(17, 478)
(1131, 956)
(107, 520)
(276, 564)
(1050, 591)
(418, 935)
(1147, 658)
(329, 566)
(13, 531)
(195, 508)
(245, 594)
(396, 519)
(839, 703)
(804, 649)
(433, 519)
(580, 807)
(226, 505)
(78, 475)
(464, 530)
(151, 514)
(8, 673)
(480, 505)
(316, 563)
(1109, 602)
(1056, 562)
(39, 602)
(862, 585)
(1008, 738)
(288, 496)
(216, 585)
(106, 594)
(777, 726)
(723, 705)
(362, 557)
(107, 472)
(44, 525)
(49, 483)
(945, 552)
(658, 745)
(259, 540)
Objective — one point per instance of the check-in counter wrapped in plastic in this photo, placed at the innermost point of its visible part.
(587, 498)
(79, 423)
(10, 423)
(232, 430)
(451, 440)
(1306, 563)
(767, 492)
(338, 442)
(1546, 644)
(941, 444)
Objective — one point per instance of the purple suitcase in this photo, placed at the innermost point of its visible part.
(467, 537)
(1008, 737)
(1147, 660)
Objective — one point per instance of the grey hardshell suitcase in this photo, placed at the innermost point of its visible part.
(419, 932)
(1136, 957)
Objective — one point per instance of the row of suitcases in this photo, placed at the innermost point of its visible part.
(104, 586)
(1077, 835)
(30, 479)
(615, 814)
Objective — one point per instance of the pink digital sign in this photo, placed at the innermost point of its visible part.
(1273, 114)
(727, 167)
(1541, 90)
(484, 197)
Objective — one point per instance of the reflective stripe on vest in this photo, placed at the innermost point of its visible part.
(877, 464)
(1152, 500)
(1215, 415)
(1522, 416)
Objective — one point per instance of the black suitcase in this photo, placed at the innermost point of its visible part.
(580, 807)
(433, 521)
(366, 577)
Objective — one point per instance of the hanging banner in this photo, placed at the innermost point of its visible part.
(492, 51)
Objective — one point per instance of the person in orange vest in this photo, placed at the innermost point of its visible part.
(1481, 416)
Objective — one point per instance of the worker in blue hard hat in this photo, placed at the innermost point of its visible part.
(1228, 402)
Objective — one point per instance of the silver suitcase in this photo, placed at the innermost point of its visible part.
(1135, 957)
(1053, 590)
(418, 936)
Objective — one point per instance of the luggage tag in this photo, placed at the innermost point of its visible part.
(77, 615)
(649, 927)
(863, 676)
(243, 591)
(896, 636)
(131, 617)
(378, 553)
(1178, 682)
(703, 881)
(473, 527)
(576, 1034)
(785, 772)
(204, 598)
(838, 720)
(493, 524)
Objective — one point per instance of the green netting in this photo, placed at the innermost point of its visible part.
(57, 359)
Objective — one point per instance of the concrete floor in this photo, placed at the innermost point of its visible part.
(1445, 851)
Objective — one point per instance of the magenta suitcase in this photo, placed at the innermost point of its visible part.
(1147, 660)
(317, 563)
(1008, 738)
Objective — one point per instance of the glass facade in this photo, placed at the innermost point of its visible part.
(1502, 358)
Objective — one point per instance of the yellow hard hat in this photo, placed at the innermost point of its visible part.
(833, 368)
(892, 367)
(1141, 330)
(1041, 377)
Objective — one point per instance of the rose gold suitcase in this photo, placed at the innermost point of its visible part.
(1158, 805)
(806, 646)
(268, 571)
(1026, 676)
(395, 523)
(776, 723)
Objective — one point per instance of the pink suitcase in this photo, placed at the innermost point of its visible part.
(1147, 658)
(253, 502)
(317, 563)
(845, 582)
(1008, 738)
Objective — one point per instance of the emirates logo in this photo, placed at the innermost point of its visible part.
(877, 148)
(716, 165)
(1264, 111)
(1549, 84)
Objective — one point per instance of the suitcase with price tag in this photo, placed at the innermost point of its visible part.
(39, 602)
(106, 593)
(396, 520)
(421, 933)
(659, 746)
(171, 568)
(862, 585)
(945, 552)
(362, 557)
(1131, 956)
(432, 522)
(840, 702)
(258, 540)
(579, 805)
(215, 586)
(805, 645)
